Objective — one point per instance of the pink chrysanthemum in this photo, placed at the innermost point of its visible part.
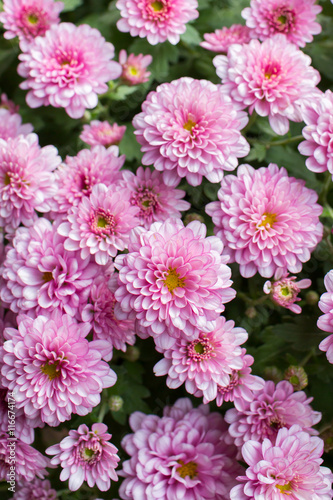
(6, 103)
(11, 125)
(28, 462)
(189, 128)
(266, 220)
(293, 18)
(26, 180)
(174, 278)
(35, 490)
(134, 67)
(86, 455)
(41, 275)
(273, 78)
(67, 68)
(241, 384)
(290, 468)
(156, 201)
(102, 133)
(318, 133)
(325, 322)
(220, 40)
(158, 21)
(24, 427)
(80, 173)
(102, 312)
(52, 368)
(285, 289)
(100, 225)
(272, 408)
(187, 454)
(206, 362)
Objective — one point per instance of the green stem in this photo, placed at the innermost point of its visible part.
(251, 121)
(252, 302)
(325, 189)
(307, 357)
(282, 142)
(103, 411)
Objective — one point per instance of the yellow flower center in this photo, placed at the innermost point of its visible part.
(172, 280)
(268, 219)
(189, 469)
(133, 70)
(199, 348)
(51, 370)
(189, 125)
(33, 19)
(285, 488)
(157, 6)
(47, 276)
(282, 19)
(101, 222)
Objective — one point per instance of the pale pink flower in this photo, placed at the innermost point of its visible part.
(325, 322)
(28, 462)
(284, 290)
(221, 39)
(34, 490)
(86, 455)
(11, 125)
(24, 427)
(206, 362)
(272, 408)
(107, 321)
(102, 133)
(241, 384)
(266, 220)
(29, 18)
(39, 274)
(68, 68)
(52, 368)
(27, 181)
(273, 78)
(293, 18)
(187, 454)
(80, 173)
(189, 128)
(6, 103)
(318, 133)
(100, 225)
(134, 67)
(158, 21)
(174, 278)
(156, 201)
(290, 468)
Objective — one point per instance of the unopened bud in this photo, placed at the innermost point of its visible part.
(327, 437)
(191, 217)
(251, 312)
(116, 403)
(273, 373)
(312, 298)
(297, 377)
(132, 353)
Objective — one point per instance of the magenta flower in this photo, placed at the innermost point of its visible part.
(293, 18)
(103, 313)
(39, 274)
(189, 128)
(273, 78)
(276, 230)
(28, 462)
(221, 39)
(52, 368)
(100, 225)
(158, 21)
(174, 278)
(272, 408)
(290, 468)
(318, 133)
(102, 133)
(27, 181)
(29, 18)
(206, 362)
(187, 454)
(284, 290)
(134, 67)
(35, 490)
(86, 455)
(68, 68)
(156, 201)
(11, 125)
(325, 322)
(80, 173)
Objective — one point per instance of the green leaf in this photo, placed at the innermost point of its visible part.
(129, 145)
(258, 152)
(191, 35)
(71, 5)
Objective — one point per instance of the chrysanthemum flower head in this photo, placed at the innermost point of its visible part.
(28, 19)
(102, 133)
(272, 408)
(6, 103)
(86, 455)
(34, 490)
(156, 201)
(273, 78)
(266, 220)
(174, 278)
(221, 39)
(290, 468)
(296, 19)
(189, 128)
(11, 125)
(325, 322)
(157, 21)
(68, 68)
(188, 451)
(24, 427)
(284, 290)
(134, 67)
(52, 368)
